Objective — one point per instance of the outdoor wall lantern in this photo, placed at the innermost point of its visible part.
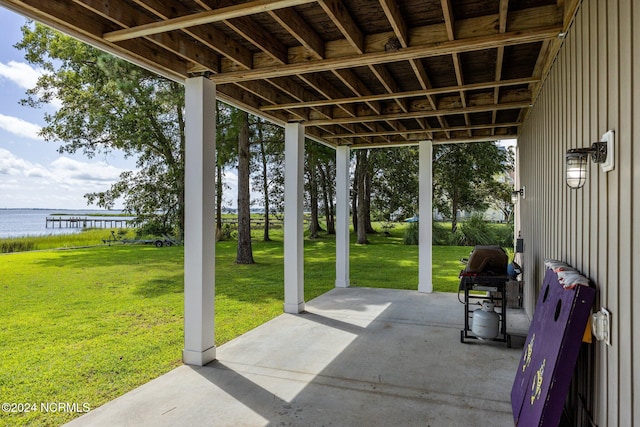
(516, 194)
(576, 160)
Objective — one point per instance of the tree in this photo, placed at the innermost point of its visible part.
(327, 171)
(109, 104)
(460, 172)
(268, 178)
(360, 186)
(245, 251)
(499, 189)
(311, 154)
(395, 182)
(226, 153)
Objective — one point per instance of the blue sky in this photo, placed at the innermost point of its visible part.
(32, 173)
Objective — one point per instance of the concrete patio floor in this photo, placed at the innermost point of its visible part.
(356, 357)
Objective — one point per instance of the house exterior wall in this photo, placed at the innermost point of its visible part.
(593, 86)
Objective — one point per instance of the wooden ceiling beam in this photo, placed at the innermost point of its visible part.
(447, 14)
(322, 86)
(300, 29)
(381, 57)
(420, 131)
(414, 114)
(401, 95)
(201, 18)
(209, 37)
(435, 141)
(247, 28)
(355, 85)
(395, 18)
(342, 19)
(391, 86)
(425, 83)
(77, 21)
(177, 43)
(300, 94)
(503, 11)
(502, 28)
(253, 32)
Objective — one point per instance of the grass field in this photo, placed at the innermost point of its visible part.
(87, 325)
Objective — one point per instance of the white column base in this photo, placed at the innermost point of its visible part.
(342, 284)
(294, 308)
(199, 358)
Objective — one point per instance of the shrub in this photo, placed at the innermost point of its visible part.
(441, 234)
(152, 228)
(503, 236)
(411, 234)
(16, 245)
(474, 231)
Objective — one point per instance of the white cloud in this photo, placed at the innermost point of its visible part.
(24, 76)
(12, 165)
(61, 183)
(20, 73)
(65, 169)
(19, 127)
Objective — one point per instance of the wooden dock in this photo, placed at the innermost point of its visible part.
(87, 222)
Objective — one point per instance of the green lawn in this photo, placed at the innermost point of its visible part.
(87, 325)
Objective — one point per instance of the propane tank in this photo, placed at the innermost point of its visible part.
(485, 321)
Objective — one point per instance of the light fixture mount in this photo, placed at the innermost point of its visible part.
(576, 159)
(516, 194)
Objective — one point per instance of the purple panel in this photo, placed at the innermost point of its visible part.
(550, 353)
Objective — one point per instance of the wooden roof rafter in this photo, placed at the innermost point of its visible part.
(358, 72)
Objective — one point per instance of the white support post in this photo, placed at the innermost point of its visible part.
(425, 279)
(199, 239)
(342, 217)
(293, 218)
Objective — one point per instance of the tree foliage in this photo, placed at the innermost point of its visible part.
(395, 182)
(267, 169)
(109, 104)
(460, 176)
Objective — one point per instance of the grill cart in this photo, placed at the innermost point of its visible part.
(484, 282)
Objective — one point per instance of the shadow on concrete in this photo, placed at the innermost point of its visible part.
(358, 356)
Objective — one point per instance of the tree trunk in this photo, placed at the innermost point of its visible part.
(354, 202)
(245, 252)
(361, 207)
(367, 196)
(454, 214)
(314, 224)
(327, 200)
(218, 200)
(265, 184)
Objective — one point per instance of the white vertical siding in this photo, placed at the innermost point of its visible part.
(634, 297)
(593, 86)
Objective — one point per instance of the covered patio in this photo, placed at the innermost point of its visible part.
(356, 356)
(353, 74)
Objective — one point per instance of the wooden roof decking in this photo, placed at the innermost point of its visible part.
(357, 72)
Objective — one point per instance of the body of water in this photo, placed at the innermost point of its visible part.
(32, 222)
